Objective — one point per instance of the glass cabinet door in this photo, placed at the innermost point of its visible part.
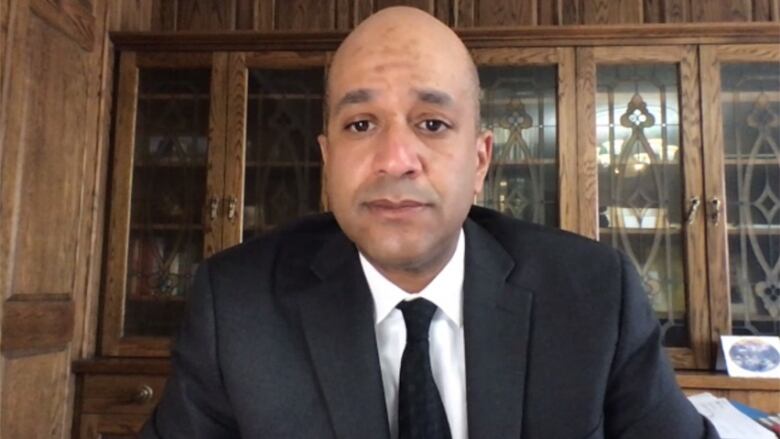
(280, 176)
(527, 101)
(648, 188)
(741, 89)
(158, 224)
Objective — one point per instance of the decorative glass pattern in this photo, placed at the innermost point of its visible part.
(750, 94)
(168, 192)
(283, 161)
(640, 190)
(519, 105)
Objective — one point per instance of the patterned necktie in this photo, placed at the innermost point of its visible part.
(420, 410)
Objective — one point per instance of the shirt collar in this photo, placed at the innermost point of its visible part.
(445, 290)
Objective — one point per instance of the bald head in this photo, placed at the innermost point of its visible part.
(395, 36)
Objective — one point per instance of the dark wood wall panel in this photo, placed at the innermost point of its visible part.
(507, 12)
(305, 14)
(206, 14)
(731, 10)
(271, 15)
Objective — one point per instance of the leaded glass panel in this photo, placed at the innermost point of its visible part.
(639, 178)
(168, 191)
(283, 162)
(750, 99)
(519, 105)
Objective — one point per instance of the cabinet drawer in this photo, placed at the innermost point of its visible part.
(132, 394)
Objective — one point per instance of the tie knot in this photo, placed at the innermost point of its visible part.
(417, 316)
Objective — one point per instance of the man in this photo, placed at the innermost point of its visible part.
(407, 313)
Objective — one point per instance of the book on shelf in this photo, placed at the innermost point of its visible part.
(729, 420)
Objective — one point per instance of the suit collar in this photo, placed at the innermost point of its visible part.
(497, 315)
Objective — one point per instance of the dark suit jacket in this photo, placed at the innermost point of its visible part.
(560, 342)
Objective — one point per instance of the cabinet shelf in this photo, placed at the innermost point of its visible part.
(761, 231)
(638, 232)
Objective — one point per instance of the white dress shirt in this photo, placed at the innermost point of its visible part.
(447, 348)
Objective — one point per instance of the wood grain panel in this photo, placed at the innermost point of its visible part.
(464, 12)
(72, 17)
(507, 13)
(215, 180)
(571, 12)
(443, 11)
(54, 147)
(110, 426)
(721, 10)
(344, 14)
(119, 222)
(695, 233)
(362, 10)
(762, 10)
(32, 326)
(425, 5)
(205, 15)
(587, 178)
(567, 140)
(653, 11)
(677, 11)
(235, 146)
(35, 395)
(612, 11)
(306, 15)
(548, 12)
(121, 393)
(164, 15)
(717, 260)
(133, 15)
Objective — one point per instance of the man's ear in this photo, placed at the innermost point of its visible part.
(484, 154)
(322, 139)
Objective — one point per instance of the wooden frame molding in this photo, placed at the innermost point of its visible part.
(520, 36)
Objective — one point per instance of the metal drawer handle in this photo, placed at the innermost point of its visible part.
(144, 395)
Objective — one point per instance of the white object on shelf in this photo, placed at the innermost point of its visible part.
(727, 419)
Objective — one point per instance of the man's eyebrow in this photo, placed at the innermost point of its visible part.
(434, 97)
(358, 96)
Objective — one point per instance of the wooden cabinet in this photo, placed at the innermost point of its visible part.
(191, 176)
(666, 149)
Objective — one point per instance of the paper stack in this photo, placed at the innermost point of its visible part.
(727, 419)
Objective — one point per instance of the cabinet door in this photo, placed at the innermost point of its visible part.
(167, 184)
(527, 101)
(641, 181)
(741, 116)
(274, 167)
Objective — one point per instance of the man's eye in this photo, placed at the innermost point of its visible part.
(433, 125)
(360, 126)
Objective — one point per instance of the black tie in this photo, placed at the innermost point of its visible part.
(420, 410)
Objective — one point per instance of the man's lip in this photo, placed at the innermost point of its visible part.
(395, 204)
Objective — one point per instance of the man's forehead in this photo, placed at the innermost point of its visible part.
(431, 96)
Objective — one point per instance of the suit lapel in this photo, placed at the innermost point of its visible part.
(496, 327)
(337, 318)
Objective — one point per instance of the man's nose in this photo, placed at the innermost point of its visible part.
(397, 153)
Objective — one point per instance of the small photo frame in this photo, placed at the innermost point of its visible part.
(751, 356)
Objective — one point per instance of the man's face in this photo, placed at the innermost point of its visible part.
(403, 158)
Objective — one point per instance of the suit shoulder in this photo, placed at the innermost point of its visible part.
(296, 240)
(545, 246)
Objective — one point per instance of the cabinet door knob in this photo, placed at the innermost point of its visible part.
(715, 204)
(144, 395)
(232, 207)
(213, 208)
(693, 206)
